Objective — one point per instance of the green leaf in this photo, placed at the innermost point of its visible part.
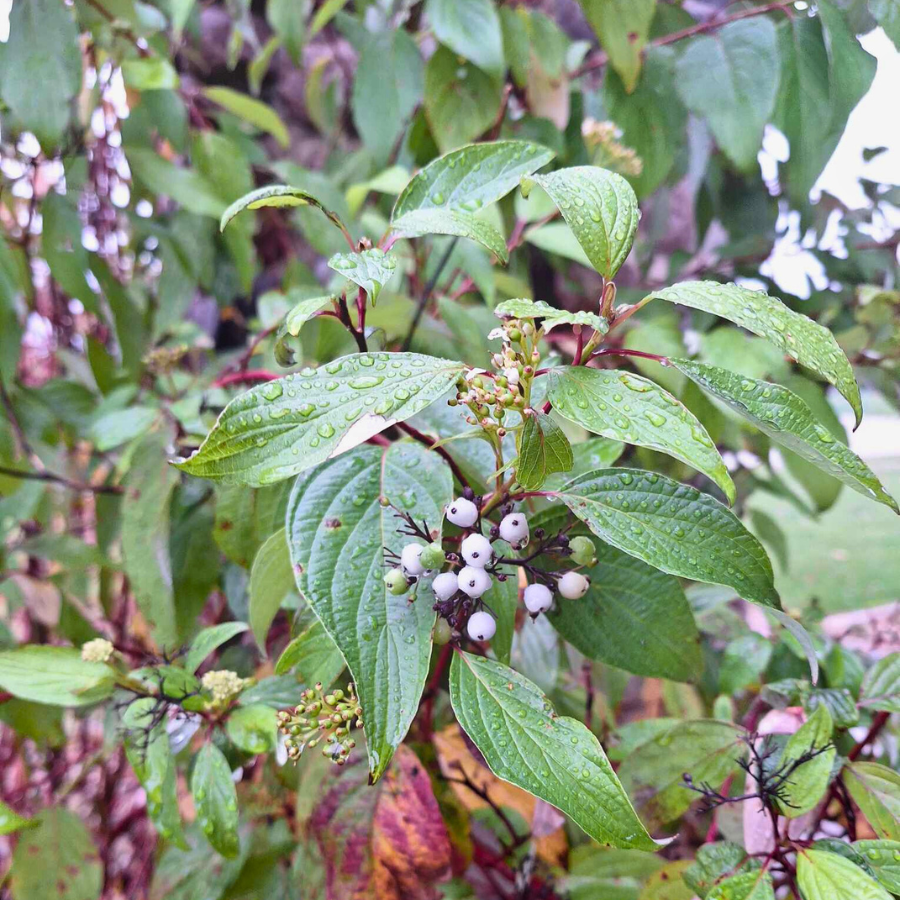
(387, 87)
(630, 408)
(313, 655)
(270, 579)
(601, 209)
(186, 186)
(461, 101)
(713, 863)
(633, 617)
(883, 858)
(252, 728)
(543, 449)
(754, 885)
(470, 178)
(887, 14)
(40, 68)
(551, 316)
(730, 77)
(288, 21)
(337, 531)
(455, 222)
(743, 661)
(151, 73)
(281, 428)
(145, 535)
(57, 676)
(806, 785)
(252, 111)
(786, 418)
(804, 340)
(209, 639)
(881, 686)
(876, 791)
(56, 859)
(471, 29)
(553, 757)
(151, 759)
(672, 527)
(623, 27)
(706, 750)
(827, 876)
(277, 195)
(11, 821)
(370, 269)
(503, 599)
(216, 800)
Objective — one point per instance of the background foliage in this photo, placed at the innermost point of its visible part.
(128, 320)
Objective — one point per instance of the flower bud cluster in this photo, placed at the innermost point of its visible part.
(603, 143)
(324, 720)
(98, 650)
(223, 685)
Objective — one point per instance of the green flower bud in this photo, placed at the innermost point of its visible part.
(432, 556)
(396, 582)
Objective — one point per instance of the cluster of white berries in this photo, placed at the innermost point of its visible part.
(473, 580)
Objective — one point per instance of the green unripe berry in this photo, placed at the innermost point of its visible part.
(432, 556)
(514, 335)
(583, 550)
(396, 582)
(442, 631)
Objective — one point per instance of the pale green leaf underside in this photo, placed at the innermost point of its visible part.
(804, 340)
(57, 676)
(277, 195)
(370, 269)
(302, 312)
(338, 530)
(553, 757)
(209, 639)
(876, 791)
(881, 687)
(470, 177)
(633, 409)
(827, 876)
(601, 209)
(786, 418)
(278, 429)
(543, 449)
(673, 527)
(521, 308)
(216, 800)
(454, 222)
(251, 110)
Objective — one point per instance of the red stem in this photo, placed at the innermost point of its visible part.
(244, 378)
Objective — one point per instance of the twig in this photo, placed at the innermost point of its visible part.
(417, 435)
(62, 480)
(622, 351)
(426, 294)
(244, 378)
(126, 32)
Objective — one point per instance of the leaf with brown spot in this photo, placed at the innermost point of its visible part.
(388, 841)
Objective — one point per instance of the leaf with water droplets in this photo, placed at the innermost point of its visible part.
(753, 885)
(601, 209)
(529, 309)
(278, 429)
(216, 800)
(827, 876)
(543, 450)
(455, 222)
(883, 858)
(786, 418)
(804, 340)
(338, 531)
(554, 757)
(630, 408)
(278, 195)
(370, 269)
(673, 527)
(881, 687)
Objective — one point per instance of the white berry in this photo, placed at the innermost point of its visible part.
(409, 560)
(476, 550)
(538, 598)
(482, 626)
(473, 581)
(573, 585)
(462, 512)
(514, 529)
(445, 585)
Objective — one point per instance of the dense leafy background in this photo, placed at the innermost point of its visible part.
(130, 131)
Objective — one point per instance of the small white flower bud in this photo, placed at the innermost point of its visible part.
(476, 550)
(473, 581)
(538, 598)
(98, 650)
(512, 375)
(445, 585)
(482, 626)
(573, 585)
(409, 560)
(462, 512)
(514, 529)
